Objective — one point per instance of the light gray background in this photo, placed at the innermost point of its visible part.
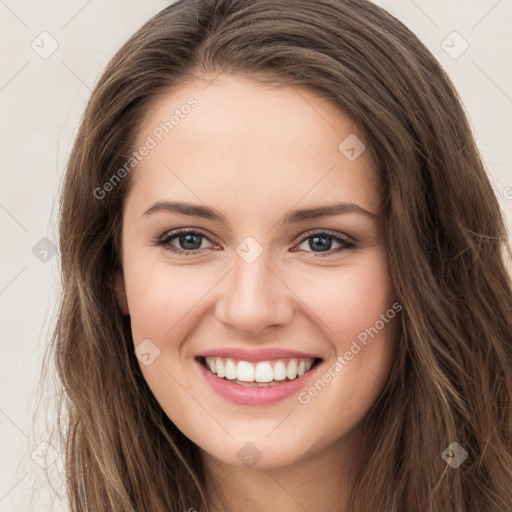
(41, 102)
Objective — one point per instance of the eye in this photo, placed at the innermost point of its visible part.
(321, 243)
(188, 241)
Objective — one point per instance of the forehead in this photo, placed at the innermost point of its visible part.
(233, 138)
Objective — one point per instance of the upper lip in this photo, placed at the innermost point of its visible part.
(261, 354)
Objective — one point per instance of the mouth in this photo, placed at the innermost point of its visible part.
(260, 374)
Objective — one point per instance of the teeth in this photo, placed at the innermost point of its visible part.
(291, 370)
(261, 372)
(230, 369)
(264, 372)
(245, 371)
(221, 369)
(279, 371)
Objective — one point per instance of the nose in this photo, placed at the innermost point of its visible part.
(254, 297)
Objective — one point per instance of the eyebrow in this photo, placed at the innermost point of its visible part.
(292, 217)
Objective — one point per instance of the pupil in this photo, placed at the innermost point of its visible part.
(185, 239)
(320, 245)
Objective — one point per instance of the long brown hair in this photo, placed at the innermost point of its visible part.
(446, 240)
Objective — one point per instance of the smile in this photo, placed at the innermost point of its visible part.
(262, 373)
(262, 382)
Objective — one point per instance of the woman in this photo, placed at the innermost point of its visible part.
(213, 354)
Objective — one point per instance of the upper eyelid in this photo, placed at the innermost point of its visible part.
(172, 233)
(329, 232)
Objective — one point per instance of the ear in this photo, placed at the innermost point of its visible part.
(120, 291)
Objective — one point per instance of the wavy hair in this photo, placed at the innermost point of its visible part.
(445, 236)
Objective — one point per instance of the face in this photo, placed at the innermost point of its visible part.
(302, 300)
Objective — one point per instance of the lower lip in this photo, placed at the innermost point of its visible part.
(254, 395)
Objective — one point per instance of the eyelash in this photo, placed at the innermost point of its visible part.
(164, 241)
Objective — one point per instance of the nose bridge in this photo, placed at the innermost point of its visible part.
(254, 297)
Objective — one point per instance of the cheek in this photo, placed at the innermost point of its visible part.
(160, 295)
(355, 306)
(368, 294)
(348, 299)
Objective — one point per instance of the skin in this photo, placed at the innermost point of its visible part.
(253, 152)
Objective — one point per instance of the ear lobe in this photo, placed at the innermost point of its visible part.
(120, 291)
